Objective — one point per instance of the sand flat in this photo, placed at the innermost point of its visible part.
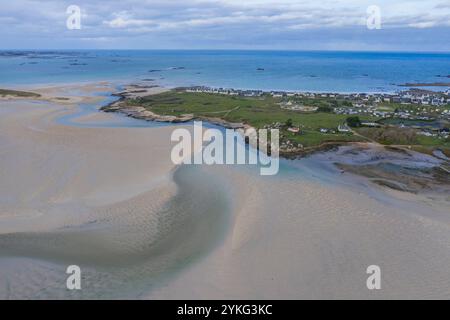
(104, 198)
(294, 239)
(110, 200)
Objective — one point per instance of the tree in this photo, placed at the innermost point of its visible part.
(334, 104)
(354, 122)
(347, 103)
(288, 123)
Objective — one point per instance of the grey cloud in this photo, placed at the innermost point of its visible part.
(227, 23)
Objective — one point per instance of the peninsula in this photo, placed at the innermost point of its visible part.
(308, 122)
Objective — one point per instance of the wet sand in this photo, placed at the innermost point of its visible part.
(106, 199)
(298, 238)
(111, 201)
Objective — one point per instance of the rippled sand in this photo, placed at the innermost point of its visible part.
(110, 201)
(106, 199)
(296, 237)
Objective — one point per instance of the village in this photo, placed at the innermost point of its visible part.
(417, 97)
(426, 111)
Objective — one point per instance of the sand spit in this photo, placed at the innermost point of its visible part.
(67, 94)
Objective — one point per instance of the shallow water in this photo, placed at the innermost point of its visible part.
(121, 256)
(117, 121)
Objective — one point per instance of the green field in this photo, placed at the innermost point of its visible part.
(254, 111)
(266, 111)
(433, 142)
(257, 112)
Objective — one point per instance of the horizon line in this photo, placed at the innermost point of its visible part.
(227, 49)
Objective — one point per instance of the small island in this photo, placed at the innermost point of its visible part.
(17, 93)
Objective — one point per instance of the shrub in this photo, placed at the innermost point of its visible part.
(288, 123)
(354, 122)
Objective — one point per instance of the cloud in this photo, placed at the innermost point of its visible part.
(211, 23)
(287, 14)
(422, 25)
(124, 20)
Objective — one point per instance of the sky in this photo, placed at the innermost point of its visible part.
(405, 25)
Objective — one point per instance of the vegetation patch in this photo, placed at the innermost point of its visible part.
(16, 93)
(304, 121)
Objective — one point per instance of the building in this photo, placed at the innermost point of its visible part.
(294, 130)
(343, 128)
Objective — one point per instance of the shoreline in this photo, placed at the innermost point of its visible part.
(141, 89)
(410, 181)
(141, 113)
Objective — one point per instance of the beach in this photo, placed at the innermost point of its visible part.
(294, 239)
(97, 197)
(109, 199)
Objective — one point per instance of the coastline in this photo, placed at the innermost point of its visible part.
(417, 180)
(141, 113)
(288, 152)
(150, 230)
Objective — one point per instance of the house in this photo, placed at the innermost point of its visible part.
(343, 128)
(370, 124)
(437, 101)
(294, 130)
(425, 133)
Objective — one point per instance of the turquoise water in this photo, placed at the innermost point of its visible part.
(117, 120)
(302, 71)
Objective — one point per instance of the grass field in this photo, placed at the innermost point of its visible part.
(254, 111)
(259, 112)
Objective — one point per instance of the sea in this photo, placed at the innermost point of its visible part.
(304, 71)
